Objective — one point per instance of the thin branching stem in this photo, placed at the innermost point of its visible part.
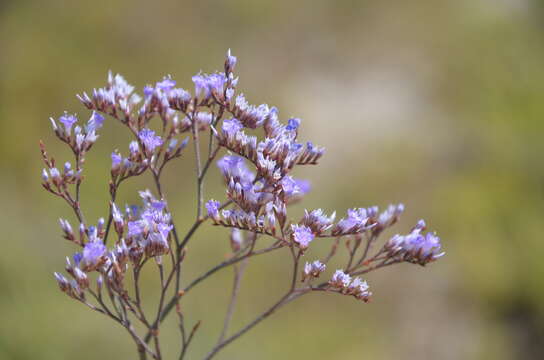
(238, 274)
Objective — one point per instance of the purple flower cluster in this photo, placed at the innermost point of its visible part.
(256, 154)
(302, 235)
(415, 247)
(150, 229)
(350, 286)
(80, 139)
(142, 231)
(208, 85)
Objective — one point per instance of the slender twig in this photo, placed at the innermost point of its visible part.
(238, 273)
(170, 305)
(353, 251)
(369, 240)
(282, 301)
(332, 252)
(200, 183)
(189, 339)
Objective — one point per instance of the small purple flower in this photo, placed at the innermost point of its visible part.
(231, 61)
(156, 244)
(431, 245)
(394, 245)
(390, 215)
(149, 139)
(77, 258)
(166, 84)
(203, 119)
(81, 278)
(213, 209)
(359, 289)
(423, 248)
(293, 124)
(231, 126)
(229, 93)
(148, 91)
(415, 247)
(302, 235)
(120, 87)
(357, 284)
(216, 82)
(63, 283)
(206, 84)
(290, 186)
(164, 229)
(116, 214)
(317, 220)
(65, 226)
(133, 147)
(355, 222)
(295, 148)
(116, 159)
(136, 227)
(158, 205)
(233, 166)
(340, 279)
(249, 115)
(95, 122)
(179, 96)
(55, 174)
(201, 85)
(314, 269)
(68, 121)
(92, 254)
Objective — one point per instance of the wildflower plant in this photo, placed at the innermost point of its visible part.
(104, 273)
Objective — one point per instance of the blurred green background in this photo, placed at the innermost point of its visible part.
(438, 104)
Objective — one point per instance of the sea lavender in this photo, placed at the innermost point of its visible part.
(257, 170)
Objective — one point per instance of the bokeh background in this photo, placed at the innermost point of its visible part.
(438, 104)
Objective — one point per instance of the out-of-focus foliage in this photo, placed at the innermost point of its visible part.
(434, 103)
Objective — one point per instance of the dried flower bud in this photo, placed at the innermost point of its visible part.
(415, 247)
(356, 222)
(340, 280)
(64, 285)
(45, 176)
(230, 62)
(317, 220)
(313, 269)
(213, 209)
(99, 283)
(67, 229)
(81, 278)
(359, 289)
(236, 239)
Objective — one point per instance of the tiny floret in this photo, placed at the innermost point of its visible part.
(213, 209)
(149, 139)
(92, 256)
(313, 269)
(340, 279)
(68, 121)
(302, 235)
